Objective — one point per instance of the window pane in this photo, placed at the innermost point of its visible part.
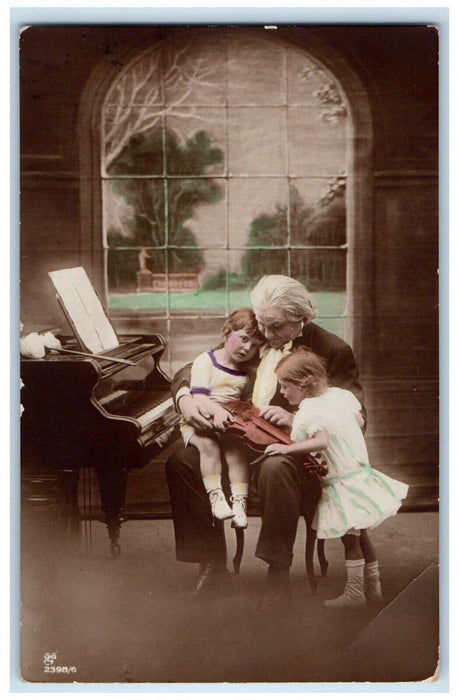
(194, 72)
(256, 141)
(196, 142)
(134, 212)
(135, 143)
(320, 269)
(318, 212)
(186, 198)
(257, 211)
(255, 73)
(140, 85)
(321, 143)
(188, 338)
(137, 280)
(306, 81)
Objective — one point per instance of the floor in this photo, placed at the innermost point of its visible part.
(129, 620)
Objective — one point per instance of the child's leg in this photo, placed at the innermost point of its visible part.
(237, 460)
(211, 470)
(371, 573)
(352, 549)
(353, 595)
(368, 550)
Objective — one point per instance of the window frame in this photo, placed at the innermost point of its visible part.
(359, 170)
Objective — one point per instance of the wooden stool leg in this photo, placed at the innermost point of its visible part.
(239, 549)
(322, 558)
(309, 556)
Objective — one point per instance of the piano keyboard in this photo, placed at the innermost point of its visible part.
(144, 406)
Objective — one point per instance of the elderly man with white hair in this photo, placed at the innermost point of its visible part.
(285, 311)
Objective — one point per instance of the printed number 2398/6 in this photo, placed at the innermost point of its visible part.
(60, 669)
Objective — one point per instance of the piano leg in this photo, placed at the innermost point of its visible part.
(69, 511)
(112, 490)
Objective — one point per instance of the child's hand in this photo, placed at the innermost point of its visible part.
(277, 449)
(221, 418)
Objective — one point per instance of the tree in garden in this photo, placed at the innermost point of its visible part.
(166, 82)
(162, 206)
(135, 105)
(265, 230)
(321, 225)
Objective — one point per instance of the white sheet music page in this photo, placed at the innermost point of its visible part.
(84, 309)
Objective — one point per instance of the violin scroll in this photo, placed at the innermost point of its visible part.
(318, 467)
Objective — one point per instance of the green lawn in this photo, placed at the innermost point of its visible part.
(330, 304)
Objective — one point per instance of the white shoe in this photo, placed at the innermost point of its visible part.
(346, 601)
(219, 505)
(239, 511)
(353, 595)
(373, 592)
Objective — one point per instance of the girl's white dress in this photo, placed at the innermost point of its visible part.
(354, 495)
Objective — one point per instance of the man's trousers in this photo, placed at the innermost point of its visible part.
(285, 493)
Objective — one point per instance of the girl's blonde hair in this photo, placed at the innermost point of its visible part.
(305, 369)
(242, 319)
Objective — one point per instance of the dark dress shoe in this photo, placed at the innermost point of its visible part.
(211, 580)
(278, 594)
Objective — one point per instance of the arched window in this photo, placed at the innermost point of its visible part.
(222, 160)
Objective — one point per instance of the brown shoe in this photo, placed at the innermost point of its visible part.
(211, 580)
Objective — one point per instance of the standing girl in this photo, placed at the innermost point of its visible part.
(354, 495)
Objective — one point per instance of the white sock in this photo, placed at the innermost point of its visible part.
(212, 482)
(372, 569)
(238, 488)
(354, 562)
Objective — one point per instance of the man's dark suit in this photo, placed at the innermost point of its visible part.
(284, 489)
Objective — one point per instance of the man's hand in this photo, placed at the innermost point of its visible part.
(194, 414)
(277, 416)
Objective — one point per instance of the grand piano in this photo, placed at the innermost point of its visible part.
(84, 412)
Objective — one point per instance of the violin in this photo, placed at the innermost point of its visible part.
(258, 433)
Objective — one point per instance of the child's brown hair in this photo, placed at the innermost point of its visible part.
(305, 369)
(242, 319)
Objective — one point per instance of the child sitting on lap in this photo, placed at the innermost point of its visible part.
(218, 376)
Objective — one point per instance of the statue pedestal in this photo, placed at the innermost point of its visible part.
(175, 282)
(144, 281)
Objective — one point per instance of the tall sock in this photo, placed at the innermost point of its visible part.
(212, 482)
(372, 583)
(353, 595)
(239, 488)
(372, 569)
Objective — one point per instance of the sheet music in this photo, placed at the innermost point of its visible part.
(84, 309)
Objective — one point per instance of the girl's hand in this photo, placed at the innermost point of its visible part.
(277, 416)
(277, 449)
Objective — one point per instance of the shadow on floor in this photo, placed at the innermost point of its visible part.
(129, 620)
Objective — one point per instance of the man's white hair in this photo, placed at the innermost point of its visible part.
(285, 294)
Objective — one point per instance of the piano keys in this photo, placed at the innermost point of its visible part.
(84, 412)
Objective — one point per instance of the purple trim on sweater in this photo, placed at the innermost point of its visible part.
(200, 390)
(234, 372)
